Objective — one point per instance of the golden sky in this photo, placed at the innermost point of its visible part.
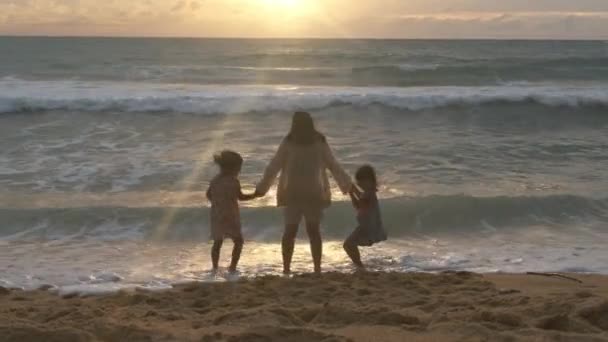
(571, 19)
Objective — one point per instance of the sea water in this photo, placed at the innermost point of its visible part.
(491, 155)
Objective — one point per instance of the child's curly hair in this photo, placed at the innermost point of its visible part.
(228, 161)
(367, 172)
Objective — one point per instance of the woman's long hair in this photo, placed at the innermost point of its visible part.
(303, 131)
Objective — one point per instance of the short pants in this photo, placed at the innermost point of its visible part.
(295, 213)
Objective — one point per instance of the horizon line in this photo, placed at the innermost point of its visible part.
(303, 38)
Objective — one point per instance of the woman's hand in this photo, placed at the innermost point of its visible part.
(258, 194)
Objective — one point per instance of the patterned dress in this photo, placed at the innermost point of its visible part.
(225, 215)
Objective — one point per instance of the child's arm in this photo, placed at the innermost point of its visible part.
(362, 202)
(355, 196)
(208, 193)
(355, 199)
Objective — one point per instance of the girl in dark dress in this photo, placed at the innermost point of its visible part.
(370, 229)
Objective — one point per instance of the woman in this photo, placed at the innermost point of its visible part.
(302, 159)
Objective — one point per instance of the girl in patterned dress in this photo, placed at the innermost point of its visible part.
(224, 193)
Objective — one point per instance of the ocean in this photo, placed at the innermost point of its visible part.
(492, 155)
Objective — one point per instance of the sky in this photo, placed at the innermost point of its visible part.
(504, 19)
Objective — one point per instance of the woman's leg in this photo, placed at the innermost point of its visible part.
(287, 245)
(351, 248)
(215, 253)
(236, 253)
(316, 243)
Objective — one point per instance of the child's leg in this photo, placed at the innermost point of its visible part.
(215, 253)
(236, 253)
(351, 248)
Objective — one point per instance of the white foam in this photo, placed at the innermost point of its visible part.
(448, 261)
(32, 231)
(101, 278)
(413, 67)
(19, 95)
(5, 169)
(81, 268)
(6, 284)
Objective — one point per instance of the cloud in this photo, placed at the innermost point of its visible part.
(442, 6)
(195, 5)
(180, 5)
(525, 25)
(502, 15)
(323, 18)
(183, 5)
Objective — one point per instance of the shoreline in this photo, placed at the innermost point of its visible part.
(447, 306)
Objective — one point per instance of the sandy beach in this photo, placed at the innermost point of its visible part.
(333, 307)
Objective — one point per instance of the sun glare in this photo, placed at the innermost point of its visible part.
(284, 3)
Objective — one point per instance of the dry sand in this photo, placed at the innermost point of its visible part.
(333, 307)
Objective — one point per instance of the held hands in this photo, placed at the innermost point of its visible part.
(250, 196)
(354, 191)
(257, 194)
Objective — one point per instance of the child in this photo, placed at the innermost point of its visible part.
(224, 193)
(370, 230)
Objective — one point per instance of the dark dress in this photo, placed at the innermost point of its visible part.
(370, 229)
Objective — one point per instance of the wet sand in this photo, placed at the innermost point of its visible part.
(333, 307)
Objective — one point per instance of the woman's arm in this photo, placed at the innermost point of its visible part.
(342, 178)
(272, 170)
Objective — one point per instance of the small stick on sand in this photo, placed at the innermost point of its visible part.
(557, 275)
